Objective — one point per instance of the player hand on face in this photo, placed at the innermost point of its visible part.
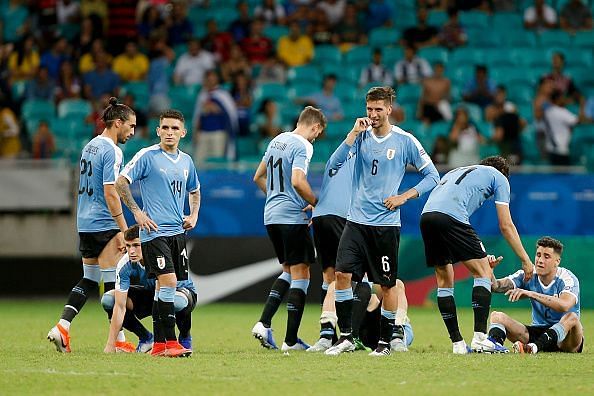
(189, 222)
(145, 222)
(361, 124)
(517, 294)
(493, 261)
(395, 201)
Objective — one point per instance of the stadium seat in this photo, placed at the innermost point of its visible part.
(306, 73)
(338, 128)
(487, 150)
(474, 19)
(520, 94)
(140, 91)
(70, 108)
(71, 128)
(525, 111)
(506, 20)
(474, 111)
(38, 109)
(531, 57)
(460, 74)
(391, 55)
(347, 92)
(247, 146)
(323, 151)
(408, 93)
(499, 57)
(577, 73)
(270, 91)
(518, 38)
(354, 109)
(327, 54)
(380, 37)
(275, 32)
(349, 74)
(301, 90)
(436, 18)
(359, 55)
(515, 75)
(552, 38)
(485, 128)
(482, 38)
(468, 56)
(434, 54)
(582, 138)
(575, 57)
(441, 128)
(18, 89)
(584, 39)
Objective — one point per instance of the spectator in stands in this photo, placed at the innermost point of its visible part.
(215, 120)
(334, 10)
(256, 46)
(541, 102)
(378, 13)
(441, 151)
(508, 127)
(480, 89)
(10, 132)
(141, 117)
(150, 22)
(376, 72)
(558, 123)
(43, 144)
(398, 115)
(268, 121)
(42, 87)
(561, 81)
(192, 65)
(69, 85)
(421, 35)
(216, 42)
(271, 71)
(131, 65)
(52, 59)
(161, 56)
(434, 103)
(95, 118)
(349, 30)
(503, 5)
(240, 28)
(102, 80)
(575, 16)
(295, 49)
(319, 29)
(412, 69)
(86, 62)
(179, 27)
(499, 106)
(465, 139)
(452, 34)
(241, 91)
(237, 63)
(326, 100)
(67, 12)
(83, 41)
(16, 24)
(540, 16)
(97, 10)
(23, 63)
(270, 12)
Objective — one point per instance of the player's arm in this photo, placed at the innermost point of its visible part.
(563, 303)
(117, 319)
(123, 188)
(502, 285)
(510, 233)
(191, 220)
(115, 206)
(260, 176)
(301, 185)
(361, 124)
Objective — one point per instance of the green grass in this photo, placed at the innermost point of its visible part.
(227, 360)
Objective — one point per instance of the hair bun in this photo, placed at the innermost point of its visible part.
(113, 101)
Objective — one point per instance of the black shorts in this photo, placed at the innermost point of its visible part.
(327, 232)
(536, 331)
(292, 243)
(369, 249)
(448, 241)
(166, 255)
(142, 301)
(91, 244)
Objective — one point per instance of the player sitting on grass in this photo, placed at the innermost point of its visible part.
(555, 297)
(131, 302)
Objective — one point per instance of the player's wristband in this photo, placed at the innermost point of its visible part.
(117, 215)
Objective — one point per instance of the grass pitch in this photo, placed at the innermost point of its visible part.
(227, 360)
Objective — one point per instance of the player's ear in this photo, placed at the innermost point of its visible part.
(183, 132)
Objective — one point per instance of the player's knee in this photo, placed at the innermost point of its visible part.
(497, 317)
(180, 301)
(343, 277)
(571, 319)
(399, 284)
(108, 300)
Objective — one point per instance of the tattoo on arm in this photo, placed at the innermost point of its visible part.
(123, 189)
(195, 202)
(502, 285)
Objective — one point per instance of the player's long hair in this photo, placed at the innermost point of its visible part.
(497, 162)
(116, 111)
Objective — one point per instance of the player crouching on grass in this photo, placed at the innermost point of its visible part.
(130, 303)
(555, 297)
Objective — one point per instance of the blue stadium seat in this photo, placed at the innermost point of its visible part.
(525, 111)
(359, 55)
(327, 54)
(497, 57)
(581, 139)
(247, 146)
(521, 94)
(488, 150)
(485, 128)
(184, 97)
(440, 129)
(518, 38)
(515, 75)
(468, 56)
(347, 92)
(434, 54)
(436, 18)
(301, 90)
(460, 74)
(349, 74)
(584, 39)
(482, 38)
(531, 57)
(383, 36)
(391, 55)
(38, 109)
(408, 93)
(323, 151)
(576, 57)
(275, 32)
(71, 108)
(505, 20)
(72, 128)
(270, 91)
(338, 128)
(140, 91)
(306, 73)
(552, 38)
(474, 111)
(354, 109)
(474, 19)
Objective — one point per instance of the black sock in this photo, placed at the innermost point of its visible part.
(386, 329)
(547, 342)
(327, 331)
(131, 323)
(497, 334)
(107, 286)
(481, 304)
(295, 306)
(398, 332)
(77, 298)
(167, 316)
(183, 319)
(344, 311)
(275, 297)
(157, 329)
(447, 307)
(361, 297)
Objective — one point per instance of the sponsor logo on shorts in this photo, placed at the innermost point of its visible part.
(161, 262)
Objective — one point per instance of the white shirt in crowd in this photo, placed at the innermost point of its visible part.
(189, 70)
(558, 123)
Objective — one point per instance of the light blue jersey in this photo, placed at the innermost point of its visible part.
(337, 185)
(100, 164)
(127, 271)
(164, 181)
(463, 190)
(565, 282)
(285, 152)
(380, 164)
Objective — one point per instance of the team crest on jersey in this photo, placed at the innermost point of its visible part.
(160, 262)
(390, 154)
